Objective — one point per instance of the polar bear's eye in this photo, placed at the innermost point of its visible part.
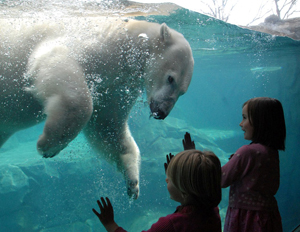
(170, 79)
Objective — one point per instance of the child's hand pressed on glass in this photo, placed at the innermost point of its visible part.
(106, 215)
(187, 142)
(169, 157)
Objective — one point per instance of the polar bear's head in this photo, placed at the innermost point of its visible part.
(169, 73)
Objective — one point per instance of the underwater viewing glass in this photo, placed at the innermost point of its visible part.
(232, 65)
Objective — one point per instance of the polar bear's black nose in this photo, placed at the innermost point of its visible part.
(159, 114)
(156, 112)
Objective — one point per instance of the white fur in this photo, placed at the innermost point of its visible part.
(86, 73)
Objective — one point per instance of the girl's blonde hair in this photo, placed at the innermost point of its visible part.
(197, 175)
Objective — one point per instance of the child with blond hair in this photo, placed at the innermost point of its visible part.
(194, 180)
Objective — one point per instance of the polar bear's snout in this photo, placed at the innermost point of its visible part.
(158, 111)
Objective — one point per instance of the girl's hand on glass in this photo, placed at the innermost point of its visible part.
(187, 142)
(169, 157)
(106, 215)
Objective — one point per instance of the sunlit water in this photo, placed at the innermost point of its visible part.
(231, 66)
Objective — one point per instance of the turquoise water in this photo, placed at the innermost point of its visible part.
(231, 65)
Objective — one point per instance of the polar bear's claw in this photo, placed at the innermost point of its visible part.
(49, 155)
(133, 193)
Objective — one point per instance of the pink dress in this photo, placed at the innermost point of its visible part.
(253, 176)
(187, 219)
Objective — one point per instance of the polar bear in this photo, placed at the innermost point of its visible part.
(86, 74)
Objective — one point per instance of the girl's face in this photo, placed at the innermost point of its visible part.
(175, 194)
(245, 124)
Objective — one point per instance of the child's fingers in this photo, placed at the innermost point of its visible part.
(169, 157)
(103, 205)
(166, 166)
(108, 202)
(187, 136)
(99, 204)
(95, 212)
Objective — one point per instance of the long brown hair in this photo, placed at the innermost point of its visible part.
(267, 118)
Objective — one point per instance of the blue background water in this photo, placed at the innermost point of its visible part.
(231, 65)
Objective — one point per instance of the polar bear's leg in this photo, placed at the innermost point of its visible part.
(116, 144)
(65, 119)
(129, 162)
(59, 83)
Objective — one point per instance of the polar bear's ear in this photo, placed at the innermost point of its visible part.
(165, 32)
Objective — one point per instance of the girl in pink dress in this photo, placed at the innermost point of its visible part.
(193, 180)
(253, 171)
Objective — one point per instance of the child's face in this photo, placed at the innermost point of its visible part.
(245, 124)
(175, 194)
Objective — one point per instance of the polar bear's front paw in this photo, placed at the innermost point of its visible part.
(133, 189)
(48, 148)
